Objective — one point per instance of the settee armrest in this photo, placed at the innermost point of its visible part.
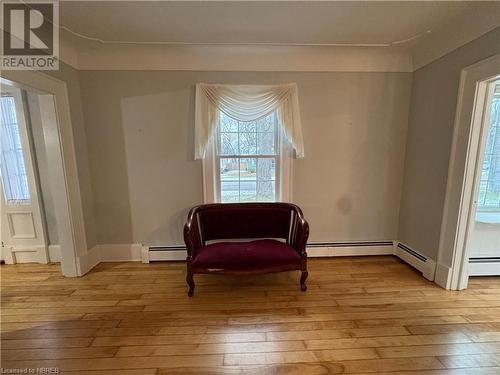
(192, 234)
(300, 233)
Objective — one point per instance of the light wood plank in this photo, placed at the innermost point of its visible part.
(118, 363)
(180, 339)
(47, 343)
(57, 353)
(438, 350)
(363, 315)
(472, 360)
(238, 347)
(378, 342)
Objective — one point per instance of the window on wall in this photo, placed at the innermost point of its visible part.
(247, 160)
(246, 137)
(489, 185)
(12, 167)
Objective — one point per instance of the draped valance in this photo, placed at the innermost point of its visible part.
(247, 103)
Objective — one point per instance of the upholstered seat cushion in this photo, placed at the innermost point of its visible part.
(243, 256)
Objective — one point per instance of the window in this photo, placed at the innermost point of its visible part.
(246, 136)
(247, 160)
(489, 185)
(12, 167)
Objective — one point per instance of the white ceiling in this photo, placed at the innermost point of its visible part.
(303, 35)
(304, 22)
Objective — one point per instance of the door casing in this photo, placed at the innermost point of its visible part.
(453, 257)
(23, 223)
(64, 174)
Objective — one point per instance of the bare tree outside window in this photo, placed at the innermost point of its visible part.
(247, 153)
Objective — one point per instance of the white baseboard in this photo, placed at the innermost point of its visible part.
(88, 260)
(108, 253)
(120, 253)
(55, 253)
(138, 252)
(7, 256)
(417, 260)
(145, 254)
(442, 277)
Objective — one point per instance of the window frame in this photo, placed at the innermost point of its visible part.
(283, 166)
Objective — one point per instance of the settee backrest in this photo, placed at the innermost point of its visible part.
(245, 221)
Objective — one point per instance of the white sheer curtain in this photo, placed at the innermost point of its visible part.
(247, 103)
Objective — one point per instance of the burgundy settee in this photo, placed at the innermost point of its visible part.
(245, 238)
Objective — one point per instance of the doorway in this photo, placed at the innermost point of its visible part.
(471, 186)
(483, 244)
(61, 174)
(24, 185)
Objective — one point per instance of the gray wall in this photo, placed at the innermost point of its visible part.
(70, 76)
(430, 131)
(139, 128)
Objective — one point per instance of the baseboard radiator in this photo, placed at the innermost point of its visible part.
(484, 266)
(162, 253)
(323, 249)
(485, 260)
(416, 259)
(412, 253)
(315, 249)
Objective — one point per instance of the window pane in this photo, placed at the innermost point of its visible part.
(12, 167)
(229, 191)
(266, 124)
(248, 191)
(228, 143)
(492, 198)
(248, 169)
(265, 143)
(247, 127)
(266, 191)
(489, 185)
(266, 175)
(248, 143)
(229, 170)
(248, 176)
(228, 124)
(266, 169)
(230, 180)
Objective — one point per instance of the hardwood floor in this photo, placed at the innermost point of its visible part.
(360, 315)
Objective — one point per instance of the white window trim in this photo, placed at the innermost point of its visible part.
(211, 192)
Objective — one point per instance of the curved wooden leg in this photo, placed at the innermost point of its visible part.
(303, 278)
(190, 282)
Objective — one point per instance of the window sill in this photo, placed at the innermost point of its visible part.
(488, 217)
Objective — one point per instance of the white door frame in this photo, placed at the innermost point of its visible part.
(453, 256)
(63, 174)
(486, 92)
(33, 244)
